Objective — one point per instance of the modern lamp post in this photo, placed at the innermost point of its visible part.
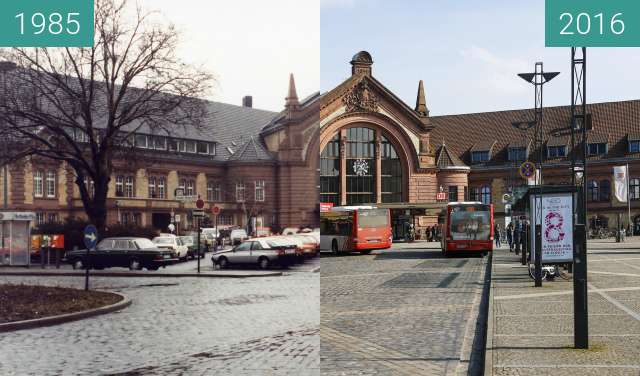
(538, 78)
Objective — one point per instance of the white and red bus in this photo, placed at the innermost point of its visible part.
(467, 227)
(355, 229)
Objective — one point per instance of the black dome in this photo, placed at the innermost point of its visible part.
(362, 57)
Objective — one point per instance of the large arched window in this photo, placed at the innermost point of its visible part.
(330, 172)
(485, 194)
(367, 178)
(391, 178)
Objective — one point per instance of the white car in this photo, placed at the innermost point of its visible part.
(237, 236)
(174, 243)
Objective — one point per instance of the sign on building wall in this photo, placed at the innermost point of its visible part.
(556, 212)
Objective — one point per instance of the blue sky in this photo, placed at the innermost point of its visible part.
(467, 53)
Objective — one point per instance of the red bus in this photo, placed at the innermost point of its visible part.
(468, 227)
(355, 228)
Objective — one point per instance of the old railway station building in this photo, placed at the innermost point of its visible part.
(253, 164)
(376, 149)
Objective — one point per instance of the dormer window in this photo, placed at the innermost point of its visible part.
(634, 143)
(598, 148)
(517, 154)
(556, 151)
(479, 156)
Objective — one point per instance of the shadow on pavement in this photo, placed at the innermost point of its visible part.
(423, 255)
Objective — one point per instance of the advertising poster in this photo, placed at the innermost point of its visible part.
(556, 212)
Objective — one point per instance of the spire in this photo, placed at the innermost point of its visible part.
(291, 101)
(421, 102)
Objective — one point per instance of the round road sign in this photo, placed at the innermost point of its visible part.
(215, 210)
(527, 170)
(200, 203)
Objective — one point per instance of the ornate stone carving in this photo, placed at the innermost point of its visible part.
(361, 98)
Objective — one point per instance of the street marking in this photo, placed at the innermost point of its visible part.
(616, 303)
(618, 274)
(559, 293)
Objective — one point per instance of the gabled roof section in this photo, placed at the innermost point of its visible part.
(485, 145)
(597, 138)
(558, 141)
(519, 143)
(447, 160)
(251, 151)
(633, 136)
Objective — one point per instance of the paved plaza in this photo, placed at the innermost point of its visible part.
(179, 326)
(403, 311)
(531, 329)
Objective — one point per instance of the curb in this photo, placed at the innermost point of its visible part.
(134, 274)
(488, 355)
(60, 319)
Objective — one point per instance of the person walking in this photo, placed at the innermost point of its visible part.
(509, 232)
(496, 234)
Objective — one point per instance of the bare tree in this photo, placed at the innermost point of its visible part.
(82, 106)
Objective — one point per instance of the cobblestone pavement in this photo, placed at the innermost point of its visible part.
(402, 311)
(180, 326)
(533, 327)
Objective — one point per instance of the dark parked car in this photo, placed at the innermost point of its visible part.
(134, 253)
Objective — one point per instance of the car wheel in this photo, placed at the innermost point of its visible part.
(263, 263)
(153, 267)
(77, 264)
(334, 247)
(366, 251)
(134, 264)
(223, 262)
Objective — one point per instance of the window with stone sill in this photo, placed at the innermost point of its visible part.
(259, 190)
(240, 197)
(38, 184)
(50, 186)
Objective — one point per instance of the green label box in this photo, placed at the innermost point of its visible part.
(46, 23)
(592, 23)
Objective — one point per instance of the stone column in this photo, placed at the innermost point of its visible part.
(343, 167)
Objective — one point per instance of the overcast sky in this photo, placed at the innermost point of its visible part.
(251, 46)
(467, 52)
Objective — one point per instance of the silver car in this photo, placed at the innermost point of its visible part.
(259, 251)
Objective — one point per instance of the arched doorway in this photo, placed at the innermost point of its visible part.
(373, 170)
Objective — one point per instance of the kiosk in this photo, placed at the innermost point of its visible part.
(15, 238)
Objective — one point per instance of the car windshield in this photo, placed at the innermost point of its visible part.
(165, 240)
(187, 240)
(144, 243)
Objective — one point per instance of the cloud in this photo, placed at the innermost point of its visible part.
(495, 72)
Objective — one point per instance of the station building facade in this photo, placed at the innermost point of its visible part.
(253, 164)
(375, 149)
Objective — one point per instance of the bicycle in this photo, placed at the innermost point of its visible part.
(549, 272)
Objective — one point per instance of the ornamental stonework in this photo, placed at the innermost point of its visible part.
(361, 98)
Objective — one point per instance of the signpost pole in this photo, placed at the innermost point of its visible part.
(86, 272)
(198, 254)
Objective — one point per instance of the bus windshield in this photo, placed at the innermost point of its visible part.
(373, 218)
(470, 223)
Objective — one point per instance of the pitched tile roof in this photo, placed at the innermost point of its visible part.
(615, 119)
(446, 159)
(251, 151)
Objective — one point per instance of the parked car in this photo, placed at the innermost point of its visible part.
(210, 236)
(131, 252)
(192, 249)
(262, 232)
(173, 243)
(237, 236)
(290, 230)
(263, 252)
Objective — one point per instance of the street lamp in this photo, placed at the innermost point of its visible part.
(538, 78)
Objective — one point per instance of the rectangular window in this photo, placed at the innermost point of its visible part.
(173, 145)
(181, 186)
(128, 187)
(160, 143)
(141, 141)
(119, 186)
(203, 148)
(51, 184)
(597, 149)
(152, 187)
(479, 156)
(634, 146)
(240, 192)
(190, 146)
(259, 190)
(52, 218)
(212, 149)
(182, 146)
(90, 186)
(38, 186)
(453, 193)
(225, 220)
(517, 154)
(160, 192)
(556, 151)
(213, 192)
(191, 188)
(40, 218)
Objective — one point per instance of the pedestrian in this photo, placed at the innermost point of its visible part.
(496, 234)
(516, 236)
(510, 236)
(434, 233)
(428, 233)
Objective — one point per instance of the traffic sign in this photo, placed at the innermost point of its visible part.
(441, 196)
(527, 170)
(215, 210)
(198, 213)
(200, 203)
(90, 236)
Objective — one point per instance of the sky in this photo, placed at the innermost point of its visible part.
(251, 46)
(468, 53)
